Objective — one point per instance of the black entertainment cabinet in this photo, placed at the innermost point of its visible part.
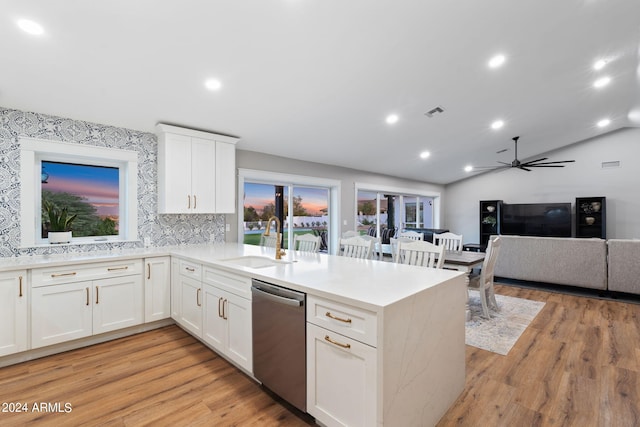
(489, 221)
(591, 217)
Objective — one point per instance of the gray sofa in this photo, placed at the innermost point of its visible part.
(624, 266)
(556, 260)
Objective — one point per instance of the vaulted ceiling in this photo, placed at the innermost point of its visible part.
(317, 80)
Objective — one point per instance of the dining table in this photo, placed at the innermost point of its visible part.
(464, 261)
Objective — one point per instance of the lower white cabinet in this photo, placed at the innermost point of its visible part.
(215, 306)
(186, 296)
(65, 311)
(227, 324)
(13, 312)
(341, 371)
(157, 288)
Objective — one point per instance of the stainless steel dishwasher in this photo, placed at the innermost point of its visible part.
(279, 341)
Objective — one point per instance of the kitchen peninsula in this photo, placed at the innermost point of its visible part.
(400, 358)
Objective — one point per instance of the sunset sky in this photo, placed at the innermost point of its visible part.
(98, 185)
(259, 195)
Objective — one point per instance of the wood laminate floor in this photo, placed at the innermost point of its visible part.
(576, 365)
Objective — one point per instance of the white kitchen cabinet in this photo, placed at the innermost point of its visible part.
(13, 312)
(341, 371)
(67, 305)
(187, 287)
(196, 171)
(227, 316)
(157, 288)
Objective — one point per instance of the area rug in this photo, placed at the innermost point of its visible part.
(501, 332)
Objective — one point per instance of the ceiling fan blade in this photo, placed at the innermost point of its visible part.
(524, 168)
(505, 163)
(549, 163)
(545, 166)
(535, 161)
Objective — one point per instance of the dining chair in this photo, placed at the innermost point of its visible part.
(350, 233)
(356, 247)
(417, 252)
(394, 246)
(414, 235)
(377, 247)
(306, 242)
(268, 241)
(483, 282)
(450, 241)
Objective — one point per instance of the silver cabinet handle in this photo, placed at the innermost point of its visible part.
(224, 309)
(198, 297)
(189, 201)
(148, 270)
(20, 285)
(195, 202)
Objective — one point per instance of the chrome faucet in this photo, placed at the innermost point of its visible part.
(279, 250)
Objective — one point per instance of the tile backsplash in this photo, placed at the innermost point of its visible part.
(161, 230)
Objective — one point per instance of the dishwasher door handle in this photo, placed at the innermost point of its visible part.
(277, 298)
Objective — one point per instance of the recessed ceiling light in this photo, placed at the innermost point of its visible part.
(213, 84)
(497, 124)
(468, 168)
(392, 118)
(604, 123)
(30, 27)
(497, 61)
(601, 82)
(599, 65)
(425, 154)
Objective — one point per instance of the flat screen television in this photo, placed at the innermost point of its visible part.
(536, 219)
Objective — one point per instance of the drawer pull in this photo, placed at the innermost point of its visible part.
(64, 274)
(20, 282)
(126, 267)
(190, 269)
(339, 319)
(198, 297)
(339, 344)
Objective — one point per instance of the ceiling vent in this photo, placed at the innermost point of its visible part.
(434, 111)
(608, 165)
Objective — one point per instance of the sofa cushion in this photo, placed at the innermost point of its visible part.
(624, 265)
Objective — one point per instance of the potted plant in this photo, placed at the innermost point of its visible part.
(59, 223)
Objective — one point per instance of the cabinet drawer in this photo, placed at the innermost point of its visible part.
(344, 319)
(190, 269)
(80, 272)
(236, 284)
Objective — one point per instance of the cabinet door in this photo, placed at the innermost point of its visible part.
(190, 316)
(157, 288)
(117, 303)
(341, 379)
(13, 312)
(225, 177)
(214, 328)
(61, 313)
(203, 176)
(237, 310)
(174, 174)
(176, 290)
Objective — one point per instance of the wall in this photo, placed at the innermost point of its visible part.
(584, 178)
(161, 229)
(348, 178)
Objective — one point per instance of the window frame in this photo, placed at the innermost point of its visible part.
(290, 181)
(33, 151)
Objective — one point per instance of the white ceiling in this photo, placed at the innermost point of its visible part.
(315, 79)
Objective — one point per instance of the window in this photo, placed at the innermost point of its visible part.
(308, 205)
(90, 192)
(394, 208)
(96, 183)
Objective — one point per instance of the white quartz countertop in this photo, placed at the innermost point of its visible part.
(369, 284)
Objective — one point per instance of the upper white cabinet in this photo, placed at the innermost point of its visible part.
(196, 171)
(13, 312)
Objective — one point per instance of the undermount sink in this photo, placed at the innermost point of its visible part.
(253, 261)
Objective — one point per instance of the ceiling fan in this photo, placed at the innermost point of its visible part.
(538, 163)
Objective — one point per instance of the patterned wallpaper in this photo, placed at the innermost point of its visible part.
(162, 230)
